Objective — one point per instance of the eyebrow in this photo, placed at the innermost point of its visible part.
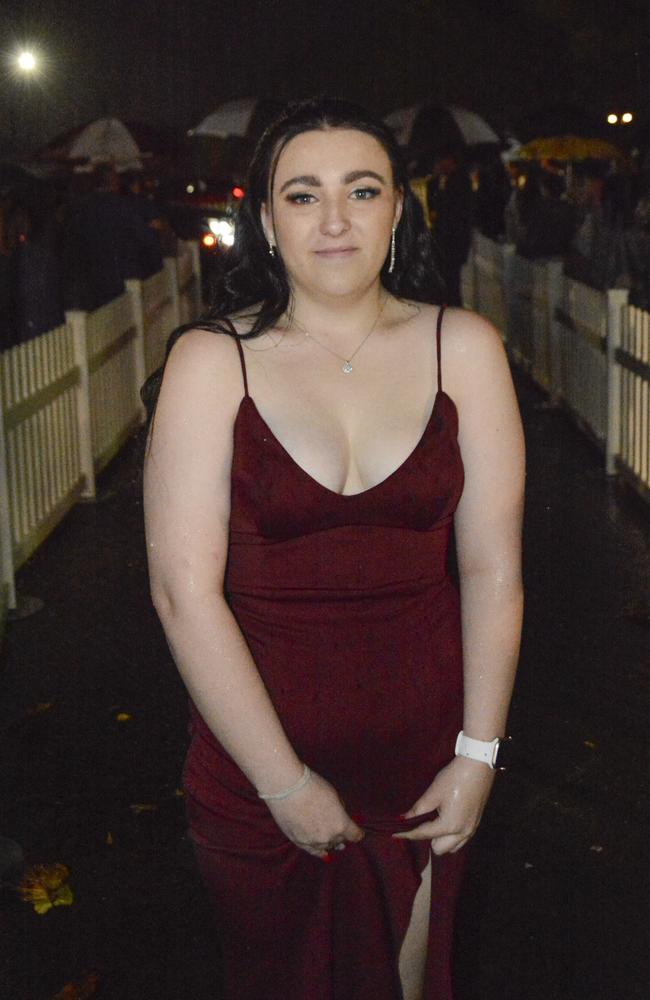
(312, 181)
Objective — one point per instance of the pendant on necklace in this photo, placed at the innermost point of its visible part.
(347, 368)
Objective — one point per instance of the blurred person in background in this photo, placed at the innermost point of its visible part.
(39, 268)
(491, 196)
(451, 206)
(109, 241)
(549, 219)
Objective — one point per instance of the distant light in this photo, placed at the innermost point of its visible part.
(612, 119)
(223, 229)
(627, 117)
(521, 181)
(26, 61)
(190, 189)
(209, 240)
(238, 192)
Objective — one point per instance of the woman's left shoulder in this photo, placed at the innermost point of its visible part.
(464, 334)
(469, 331)
(474, 359)
(471, 344)
(464, 327)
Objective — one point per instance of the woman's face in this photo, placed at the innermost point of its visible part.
(334, 206)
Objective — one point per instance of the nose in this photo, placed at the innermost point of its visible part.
(334, 218)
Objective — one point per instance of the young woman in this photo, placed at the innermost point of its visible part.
(314, 442)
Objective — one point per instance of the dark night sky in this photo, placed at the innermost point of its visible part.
(172, 63)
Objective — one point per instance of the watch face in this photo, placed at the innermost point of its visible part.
(504, 756)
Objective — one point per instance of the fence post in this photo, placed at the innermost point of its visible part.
(77, 320)
(616, 300)
(6, 541)
(554, 278)
(171, 267)
(134, 288)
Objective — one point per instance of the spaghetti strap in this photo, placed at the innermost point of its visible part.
(438, 329)
(243, 365)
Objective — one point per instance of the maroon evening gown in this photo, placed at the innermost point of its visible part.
(353, 622)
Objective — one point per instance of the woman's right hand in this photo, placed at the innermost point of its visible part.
(314, 818)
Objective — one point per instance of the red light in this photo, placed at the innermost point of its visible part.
(238, 192)
(209, 240)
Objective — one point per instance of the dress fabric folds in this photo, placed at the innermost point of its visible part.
(353, 621)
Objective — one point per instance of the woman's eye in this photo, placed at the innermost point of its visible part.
(297, 199)
(365, 194)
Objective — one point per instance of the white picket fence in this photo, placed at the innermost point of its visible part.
(589, 349)
(70, 398)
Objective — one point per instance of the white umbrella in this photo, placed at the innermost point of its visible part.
(401, 122)
(107, 140)
(231, 118)
(473, 129)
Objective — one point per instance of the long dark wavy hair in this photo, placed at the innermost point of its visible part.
(251, 276)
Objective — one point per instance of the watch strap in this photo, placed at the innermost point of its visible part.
(485, 751)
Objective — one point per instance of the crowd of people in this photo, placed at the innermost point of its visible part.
(593, 215)
(72, 244)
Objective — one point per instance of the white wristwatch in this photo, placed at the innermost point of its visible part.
(485, 751)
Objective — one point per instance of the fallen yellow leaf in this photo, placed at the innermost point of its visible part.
(142, 807)
(123, 716)
(44, 886)
(109, 838)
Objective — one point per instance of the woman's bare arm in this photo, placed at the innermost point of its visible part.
(488, 542)
(488, 524)
(187, 509)
(187, 512)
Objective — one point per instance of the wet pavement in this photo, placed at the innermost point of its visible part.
(556, 905)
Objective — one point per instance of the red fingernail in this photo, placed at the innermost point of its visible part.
(328, 858)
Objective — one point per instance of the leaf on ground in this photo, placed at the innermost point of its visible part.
(40, 707)
(80, 989)
(143, 807)
(591, 744)
(123, 716)
(45, 886)
(596, 847)
(179, 793)
(109, 838)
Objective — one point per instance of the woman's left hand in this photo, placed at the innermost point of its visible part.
(459, 792)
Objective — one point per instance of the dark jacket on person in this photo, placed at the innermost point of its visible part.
(549, 229)
(108, 241)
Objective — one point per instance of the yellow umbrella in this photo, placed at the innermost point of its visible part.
(570, 147)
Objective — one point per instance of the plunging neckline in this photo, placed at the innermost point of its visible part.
(326, 489)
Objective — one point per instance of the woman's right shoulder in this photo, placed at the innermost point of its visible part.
(203, 370)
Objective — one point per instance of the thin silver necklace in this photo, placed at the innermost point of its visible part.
(346, 367)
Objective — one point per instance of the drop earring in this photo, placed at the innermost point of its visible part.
(391, 266)
(271, 250)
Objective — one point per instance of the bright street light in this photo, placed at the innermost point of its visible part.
(627, 117)
(612, 119)
(26, 61)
